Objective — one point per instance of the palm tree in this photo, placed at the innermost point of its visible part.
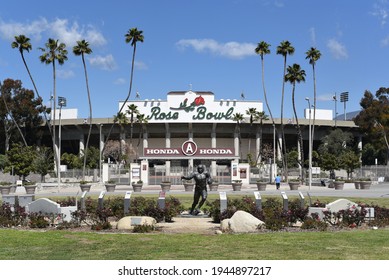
(238, 118)
(22, 43)
(54, 51)
(132, 36)
(143, 121)
(253, 114)
(132, 111)
(121, 119)
(261, 116)
(296, 75)
(262, 49)
(83, 48)
(285, 48)
(313, 55)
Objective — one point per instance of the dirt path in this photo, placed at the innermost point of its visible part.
(190, 225)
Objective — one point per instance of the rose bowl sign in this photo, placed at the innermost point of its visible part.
(188, 149)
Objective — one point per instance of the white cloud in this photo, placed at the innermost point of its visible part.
(385, 41)
(33, 29)
(120, 81)
(65, 74)
(140, 65)
(337, 49)
(229, 49)
(380, 10)
(103, 62)
(312, 32)
(61, 29)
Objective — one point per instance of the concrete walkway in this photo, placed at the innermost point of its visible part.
(376, 190)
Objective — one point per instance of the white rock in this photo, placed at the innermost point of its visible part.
(128, 223)
(241, 222)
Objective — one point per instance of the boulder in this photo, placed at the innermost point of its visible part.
(128, 223)
(241, 222)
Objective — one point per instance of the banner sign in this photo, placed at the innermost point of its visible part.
(188, 149)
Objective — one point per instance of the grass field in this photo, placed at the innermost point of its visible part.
(356, 244)
(64, 245)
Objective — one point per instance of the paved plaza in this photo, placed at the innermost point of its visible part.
(376, 190)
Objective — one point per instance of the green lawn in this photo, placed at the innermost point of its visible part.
(66, 245)
(353, 244)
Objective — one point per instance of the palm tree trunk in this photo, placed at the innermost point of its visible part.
(90, 116)
(37, 93)
(314, 106)
(56, 156)
(299, 136)
(128, 96)
(283, 150)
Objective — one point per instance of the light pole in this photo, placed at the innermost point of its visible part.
(336, 113)
(61, 103)
(101, 151)
(344, 99)
(310, 144)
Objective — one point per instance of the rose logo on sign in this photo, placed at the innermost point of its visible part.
(189, 148)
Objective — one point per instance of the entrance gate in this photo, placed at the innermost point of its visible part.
(159, 173)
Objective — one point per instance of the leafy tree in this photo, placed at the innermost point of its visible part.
(9, 118)
(373, 121)
(83, 48)
(296, 75)
(114, 150)
(20, 159)
(43, 162)
(333, 149)
(71, 160)
(350, 161)
(93, 157)
(26, 113)
(54, 51)
(3, 161)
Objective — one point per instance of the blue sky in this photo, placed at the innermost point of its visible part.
(206, 44)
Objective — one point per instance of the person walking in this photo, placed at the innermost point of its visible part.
(278, 181)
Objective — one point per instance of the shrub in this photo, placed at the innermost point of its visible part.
(143, 228)
(314, 223)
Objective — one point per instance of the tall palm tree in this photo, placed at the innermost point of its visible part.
(133, 36)
(238, 118)
(285, 48)
(22, 43)
(262, 49)
(296, 75)
(313, 55)
(54, 51)
(83, 48)
(132, 111)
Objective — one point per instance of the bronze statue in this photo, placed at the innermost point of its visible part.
(202, 178)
